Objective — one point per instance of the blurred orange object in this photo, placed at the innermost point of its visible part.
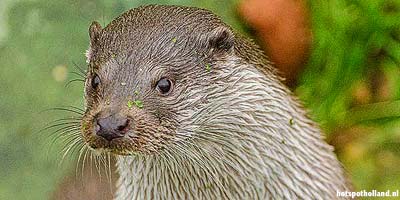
(284, 28)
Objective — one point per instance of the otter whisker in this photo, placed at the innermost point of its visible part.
(70, 139)
(81, 110)
(84, 159)
(72, 144)
(102, 163)
(105, 159)
(72, 118)
(62, 124)
(54, 124)
(74, 80)
(76, 108)
(80, 156)
(81, 71)
(78, 74)
(64, 132)
(61, 132)
(66, 109)
(97, 164)
(91, 162)
(109, 169)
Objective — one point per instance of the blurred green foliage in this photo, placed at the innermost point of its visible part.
(352, 86)
(353, 40)
(356, 56)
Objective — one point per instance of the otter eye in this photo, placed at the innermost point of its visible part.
(164, 85)
(95, 81)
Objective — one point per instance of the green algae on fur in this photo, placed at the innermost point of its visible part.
(130, 104)
(208, 67)
(138, 104)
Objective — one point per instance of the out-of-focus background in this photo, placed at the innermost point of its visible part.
(341, 57)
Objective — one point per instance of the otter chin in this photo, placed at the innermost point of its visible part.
(193, 110)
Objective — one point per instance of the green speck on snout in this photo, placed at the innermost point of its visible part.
(173, 40)
(136, 92)
(130, 104)
(208, 67)
(138, 104)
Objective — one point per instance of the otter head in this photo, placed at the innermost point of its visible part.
(148, 74)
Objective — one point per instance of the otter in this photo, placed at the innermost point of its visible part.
(193, 110)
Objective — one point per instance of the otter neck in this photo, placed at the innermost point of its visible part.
(253, 141)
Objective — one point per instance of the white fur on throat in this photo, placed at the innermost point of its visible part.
(250, 140)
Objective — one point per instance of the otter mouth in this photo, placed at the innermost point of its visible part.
(114, 146)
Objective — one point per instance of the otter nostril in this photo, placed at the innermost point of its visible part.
(123, 128)
(111, 127)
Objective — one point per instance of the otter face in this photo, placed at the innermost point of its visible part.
(146, 77)
(128, 118)
(129, 107)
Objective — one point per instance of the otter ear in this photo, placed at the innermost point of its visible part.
(221, 39)
(94, 34)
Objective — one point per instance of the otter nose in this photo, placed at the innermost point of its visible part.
(112, 127)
